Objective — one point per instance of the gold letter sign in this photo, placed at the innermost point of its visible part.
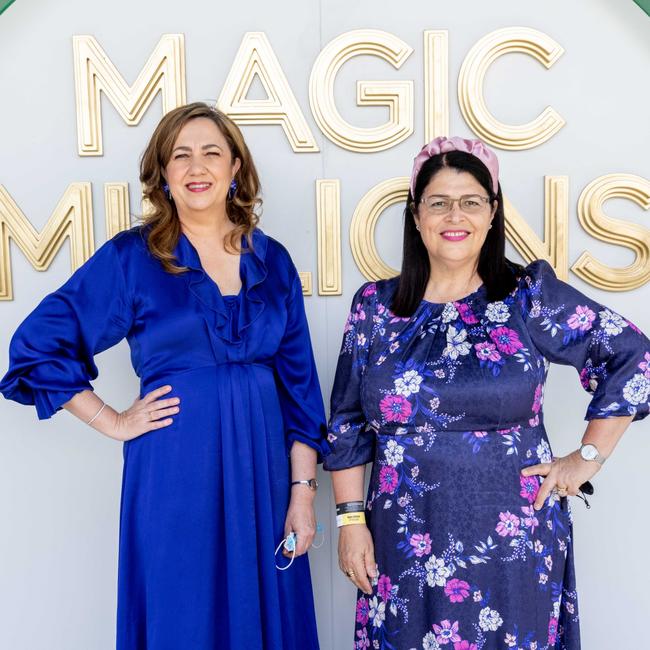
(256, 57)
(94, 72)
(396, 95)
(72, 218)
(614, 231)
(470, 88)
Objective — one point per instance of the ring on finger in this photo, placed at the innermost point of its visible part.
(350, 573)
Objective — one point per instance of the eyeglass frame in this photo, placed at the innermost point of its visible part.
(485, 199)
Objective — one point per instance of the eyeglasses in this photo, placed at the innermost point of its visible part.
(441, 204)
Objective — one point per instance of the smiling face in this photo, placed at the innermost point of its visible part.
(201, 168)
(456, 237)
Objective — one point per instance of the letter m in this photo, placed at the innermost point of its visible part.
(71, 218)
(94, 73)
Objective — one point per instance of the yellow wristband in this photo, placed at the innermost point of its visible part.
(350, 518)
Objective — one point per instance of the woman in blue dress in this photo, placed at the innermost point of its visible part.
(440, 384)
(221, 446)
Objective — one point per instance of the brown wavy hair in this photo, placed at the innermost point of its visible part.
(161, 218)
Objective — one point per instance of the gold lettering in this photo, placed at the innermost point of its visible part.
(436, 83)
(328, 217)
(94, 73)
(397, 95)
(256, 57)
(614, 231)
(470, 88)
(555, 246)
(116, 206)
(71, 218)
(364, 221)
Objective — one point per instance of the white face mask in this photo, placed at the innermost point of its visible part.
(289, 544)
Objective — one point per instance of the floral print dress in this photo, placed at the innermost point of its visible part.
(447, 404)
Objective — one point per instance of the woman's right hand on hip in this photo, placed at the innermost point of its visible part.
(146, 414)
(357, 555)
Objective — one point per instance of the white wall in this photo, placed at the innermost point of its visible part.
(60, 482)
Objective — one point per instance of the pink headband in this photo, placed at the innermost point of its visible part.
(443, 145)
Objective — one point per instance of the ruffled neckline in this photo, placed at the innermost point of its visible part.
(252, 271)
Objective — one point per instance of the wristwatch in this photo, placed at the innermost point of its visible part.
(590, 452)
(311, 483)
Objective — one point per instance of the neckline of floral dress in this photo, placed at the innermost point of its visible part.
(471, 296)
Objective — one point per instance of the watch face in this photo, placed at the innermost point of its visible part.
(313, 483)
(589, 452)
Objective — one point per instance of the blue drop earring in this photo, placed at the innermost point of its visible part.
(168, 194)
(232, 189)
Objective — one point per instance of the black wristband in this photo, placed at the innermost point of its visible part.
(349, 506)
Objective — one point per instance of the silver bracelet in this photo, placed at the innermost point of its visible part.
(92, 419)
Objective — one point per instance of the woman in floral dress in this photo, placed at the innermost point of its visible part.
(440, 384)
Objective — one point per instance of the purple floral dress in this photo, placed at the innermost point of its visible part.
(448, 405)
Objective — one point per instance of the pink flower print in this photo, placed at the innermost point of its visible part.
(480, 434)
(529, 488)
(487, 351)
(362, 611)
(552, 631)
(537, 399)
(395, 408)
(370, 290)
(584, 378)
(364, 641)
(581, 319)
(384, 586)
(421, 544)
(506, 340)
(456, 590)
(508, 524)
(530, 520)
(388, 479)
(466, 313)
(645, 365)
(446, 632)
(465, 645)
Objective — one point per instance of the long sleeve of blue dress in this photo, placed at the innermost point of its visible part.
(298, 386)
(611, 355)
(353, 442)
(51, 353)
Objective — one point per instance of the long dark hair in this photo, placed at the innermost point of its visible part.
(496, 271)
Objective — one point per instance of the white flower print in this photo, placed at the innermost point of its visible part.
(438, 571)
(361, 339)
(636, 390)
(611, 322)
(544, 452)
(429, 642)
(408, 383)
(497, 312)
(377, 611)
(456, 343)
(449, 313)
(489, 619)
(394, 453)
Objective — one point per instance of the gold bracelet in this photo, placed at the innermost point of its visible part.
(94, 417)
(350, 518)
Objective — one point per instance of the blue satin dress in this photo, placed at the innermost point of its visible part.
(204, 500)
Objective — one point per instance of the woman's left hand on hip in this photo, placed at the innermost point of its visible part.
(565, 475)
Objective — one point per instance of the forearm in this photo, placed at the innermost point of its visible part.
(605, 433)
(348, 484)
(303, 468)
(86, 405)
